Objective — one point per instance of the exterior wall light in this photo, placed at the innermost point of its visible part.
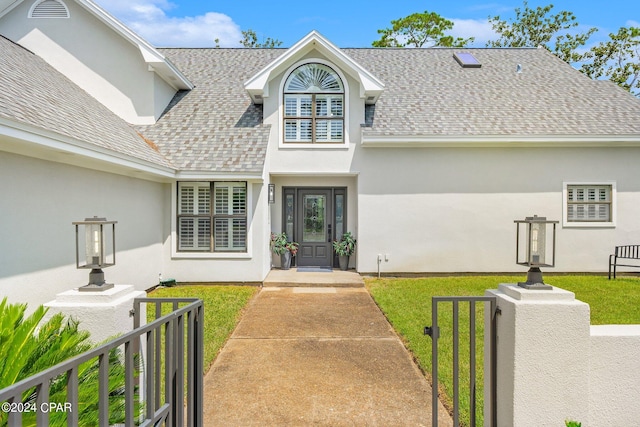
(537, 248)
(272, 193)
(99, 240)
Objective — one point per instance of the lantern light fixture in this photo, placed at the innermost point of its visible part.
(537, 248)
(272, 193)
(99, 242)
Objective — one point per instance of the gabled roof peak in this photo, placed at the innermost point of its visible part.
(156, 61)
(370, 86)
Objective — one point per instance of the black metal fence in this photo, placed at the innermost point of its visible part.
(489, 356)
(163, 373)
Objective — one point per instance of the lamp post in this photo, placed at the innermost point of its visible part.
(539, 249)
(96, 238)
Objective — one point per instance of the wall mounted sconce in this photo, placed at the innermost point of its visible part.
(272, 194)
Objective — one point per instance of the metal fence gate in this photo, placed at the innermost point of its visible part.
(164, 388)
(434, 331)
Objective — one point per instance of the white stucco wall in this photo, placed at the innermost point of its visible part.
(542, 357)
(348, 182)
(251, 266)
(452, 210)
(553, 366)
(614, 388)
(39, 201)
(95, 57)
(312, 159)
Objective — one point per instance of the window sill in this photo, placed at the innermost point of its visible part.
(211, 255)
(313, 146)
(589, 224)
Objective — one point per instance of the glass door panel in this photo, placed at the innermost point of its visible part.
(314, 218)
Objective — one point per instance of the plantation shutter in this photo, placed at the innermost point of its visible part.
(230, 216)
(313, 105)
(194, 218)
(589, 203)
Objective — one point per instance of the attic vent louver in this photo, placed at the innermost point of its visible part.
(467, 60)
(49, 9)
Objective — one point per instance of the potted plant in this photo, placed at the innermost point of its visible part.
(344, 248)
(286, 250)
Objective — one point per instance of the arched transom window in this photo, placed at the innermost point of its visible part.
(313, 105)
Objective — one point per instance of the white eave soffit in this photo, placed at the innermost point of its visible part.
(156, 61)
(258, 86)
(498, 141)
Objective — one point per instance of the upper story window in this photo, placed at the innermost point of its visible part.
(49, 9)
(313, 105)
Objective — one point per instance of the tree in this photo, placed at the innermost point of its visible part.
(418, 30)
(537, 27)
(617, 59)
(250, 39)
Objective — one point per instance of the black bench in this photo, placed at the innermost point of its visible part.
(624, 252)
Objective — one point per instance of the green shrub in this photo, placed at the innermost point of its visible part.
(26, 350)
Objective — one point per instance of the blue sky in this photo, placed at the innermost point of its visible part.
(196, 23)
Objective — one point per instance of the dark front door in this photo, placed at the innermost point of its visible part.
(314, 228)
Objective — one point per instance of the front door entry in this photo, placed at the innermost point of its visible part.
(314, 227)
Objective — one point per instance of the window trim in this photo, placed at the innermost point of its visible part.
(588, 224)
(183, 254)
(345, 106)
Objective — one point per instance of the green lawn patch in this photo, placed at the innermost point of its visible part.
(223, 307)
(407, 305)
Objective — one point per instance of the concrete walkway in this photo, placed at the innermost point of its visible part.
(316, 356)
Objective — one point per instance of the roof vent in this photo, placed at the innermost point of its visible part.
(467, 60)
(518, 68)
(49, 9)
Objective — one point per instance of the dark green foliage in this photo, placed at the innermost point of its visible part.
(26, 351)
(346, 246)
(250, 39)
(280, 244)
(617, 59)
(425, 29)
(538, 27)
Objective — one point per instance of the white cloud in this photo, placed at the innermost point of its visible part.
(481, 30)
(149, 19)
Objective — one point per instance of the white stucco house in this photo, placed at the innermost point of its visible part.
(426, 155)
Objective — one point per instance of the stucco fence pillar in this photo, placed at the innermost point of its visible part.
(105, 314)
(553, 366)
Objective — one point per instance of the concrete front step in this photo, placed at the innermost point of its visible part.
(295, 278)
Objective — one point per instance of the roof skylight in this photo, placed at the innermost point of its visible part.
(467, 60)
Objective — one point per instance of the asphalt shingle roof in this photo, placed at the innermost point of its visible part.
(428, 93)
(34, 93)
(214, 127)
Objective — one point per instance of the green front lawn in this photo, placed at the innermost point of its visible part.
(223, 307)
(407, 305)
